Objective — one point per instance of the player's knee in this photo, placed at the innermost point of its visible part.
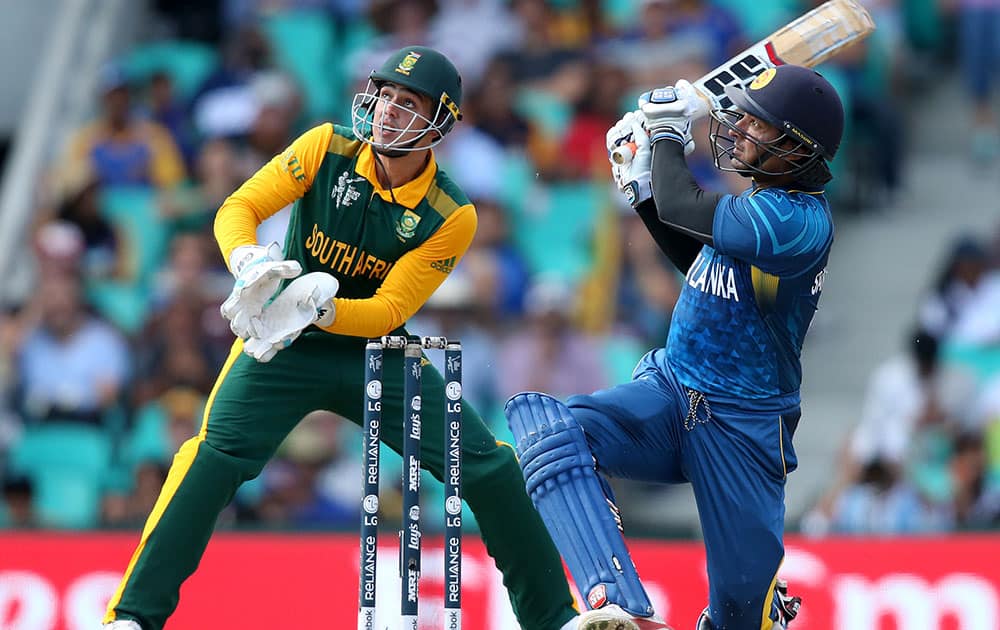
(550, 441)
(584, 411)
(496, 463)
(245, 465)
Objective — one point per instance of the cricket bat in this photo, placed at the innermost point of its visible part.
(808, 40)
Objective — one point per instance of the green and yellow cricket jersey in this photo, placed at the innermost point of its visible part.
(389, 249)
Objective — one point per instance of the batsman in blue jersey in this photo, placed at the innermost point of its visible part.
(718, 405)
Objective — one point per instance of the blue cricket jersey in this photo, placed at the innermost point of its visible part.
(742, 315)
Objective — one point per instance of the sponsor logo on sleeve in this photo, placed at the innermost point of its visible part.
(444, 266)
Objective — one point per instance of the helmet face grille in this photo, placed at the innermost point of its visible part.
(407, 133)
(795, 158)
(800, 102)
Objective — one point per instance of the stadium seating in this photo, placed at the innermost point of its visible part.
(66, 463)
(134, 213)
(188, 63)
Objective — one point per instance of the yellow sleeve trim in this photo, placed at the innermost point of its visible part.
(410, 283)
(277, 184)
(440, 201)
(342, 145)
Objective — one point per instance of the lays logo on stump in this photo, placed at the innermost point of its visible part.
(406, 65)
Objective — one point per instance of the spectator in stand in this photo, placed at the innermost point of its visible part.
(58, 373)
(978, 41)
(549, 77)
(908, 396)
(548, 354)
(492, 105)
(18, 504)
(541, 60)
(963, 305)
(473, 158)
(881, 502)
(652, 55)
(464, 307)
(224, 105)
(218, 173)
(122, 148)
(705, 22)
(279, 103)
(79, 204)
(191, 269)
(493, 241)
(648, 287)
(127, 507)
(177, 350)
(457, 30)
(59, 248)
(987, 418)
(975, 498)
(584, 155)
(301, 486)
(399, 23)
(166, 109)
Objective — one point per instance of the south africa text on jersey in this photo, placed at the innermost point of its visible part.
(344, 258)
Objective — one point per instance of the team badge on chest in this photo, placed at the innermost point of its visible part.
(406, 227)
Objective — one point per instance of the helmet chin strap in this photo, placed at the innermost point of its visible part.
(392, 153)
(375, 154)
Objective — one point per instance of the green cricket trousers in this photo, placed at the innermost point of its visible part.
(253, 406)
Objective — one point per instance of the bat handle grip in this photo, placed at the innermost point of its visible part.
(623, 153)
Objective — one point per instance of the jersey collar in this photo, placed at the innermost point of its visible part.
(409, 194)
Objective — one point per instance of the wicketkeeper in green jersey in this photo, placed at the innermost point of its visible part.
(376, 227)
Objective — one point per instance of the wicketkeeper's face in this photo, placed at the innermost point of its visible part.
(401, 116)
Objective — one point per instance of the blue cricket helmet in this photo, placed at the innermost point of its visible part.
(800, 102)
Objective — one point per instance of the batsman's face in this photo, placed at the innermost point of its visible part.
(400, 115)
(750, 131)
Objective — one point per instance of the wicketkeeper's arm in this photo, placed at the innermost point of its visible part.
(278, 183)
(409, 283)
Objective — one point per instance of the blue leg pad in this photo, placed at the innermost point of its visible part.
(567, 491)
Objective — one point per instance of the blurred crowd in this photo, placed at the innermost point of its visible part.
(106, 367)
(924, 456)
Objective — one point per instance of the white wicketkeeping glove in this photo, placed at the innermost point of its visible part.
(669, 111)
(306, 300)
(632, 177)
(259, 271)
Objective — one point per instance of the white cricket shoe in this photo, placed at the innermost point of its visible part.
(122, 624)
(613, 617)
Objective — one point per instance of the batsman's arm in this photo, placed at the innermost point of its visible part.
(278, 183)
(409, 283)
(681, 204)
(680, 248)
